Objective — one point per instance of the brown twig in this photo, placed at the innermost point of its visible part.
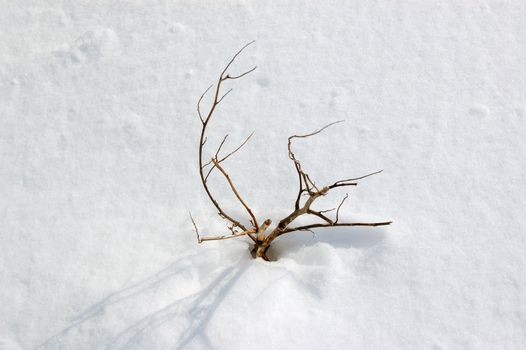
(346, 224)
(196, 230)
(348, 182)
(202, 139)
(225, 157)
(234, 189)
(339, 206)
(199, 103)
(320, 215)
(234, 235)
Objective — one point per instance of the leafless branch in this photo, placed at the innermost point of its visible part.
(240, 75)
(305, 184)
(339, 206)
(221, 145)
(317, 131)
(234, 189)
(225, 157)
(222, 97)
(196, 230)
(235, 56)
(202, 141)
(320, 215)
(218, 238)
(199, 103)
(346, 224)
(349, 182)
(237, 149)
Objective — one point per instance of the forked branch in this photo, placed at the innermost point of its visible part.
(215, 161)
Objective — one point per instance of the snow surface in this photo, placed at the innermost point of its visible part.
(98, 137)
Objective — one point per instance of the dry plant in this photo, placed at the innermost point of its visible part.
(308, 191)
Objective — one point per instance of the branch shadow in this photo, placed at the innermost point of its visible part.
(183, 322)
(198, 307)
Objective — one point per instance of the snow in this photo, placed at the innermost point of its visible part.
(98, 155)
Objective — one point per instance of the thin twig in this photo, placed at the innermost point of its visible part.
(202, 140)
(240, 75)
(339, 206)
(238, 196)
(222, 97)
(237, 149)
(217, 238)
(301, 228)
(235, 56)
(317, 131)
(195, 228)
(320, 215)
(305, 183)
(347, 182)
(225, 157)
(216, 155)
(221, 145)
(199, 103)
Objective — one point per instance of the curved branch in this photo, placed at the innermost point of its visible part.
(339, 206)
(202, 139)
(234, 58)
(348, 182)
(240, 75)
(199, 103)
(238, 196)
(317, 131)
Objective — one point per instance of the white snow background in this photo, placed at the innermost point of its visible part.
(98, 171)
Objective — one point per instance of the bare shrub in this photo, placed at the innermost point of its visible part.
(307, 193)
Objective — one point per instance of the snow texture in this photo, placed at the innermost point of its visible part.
(98, 171)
